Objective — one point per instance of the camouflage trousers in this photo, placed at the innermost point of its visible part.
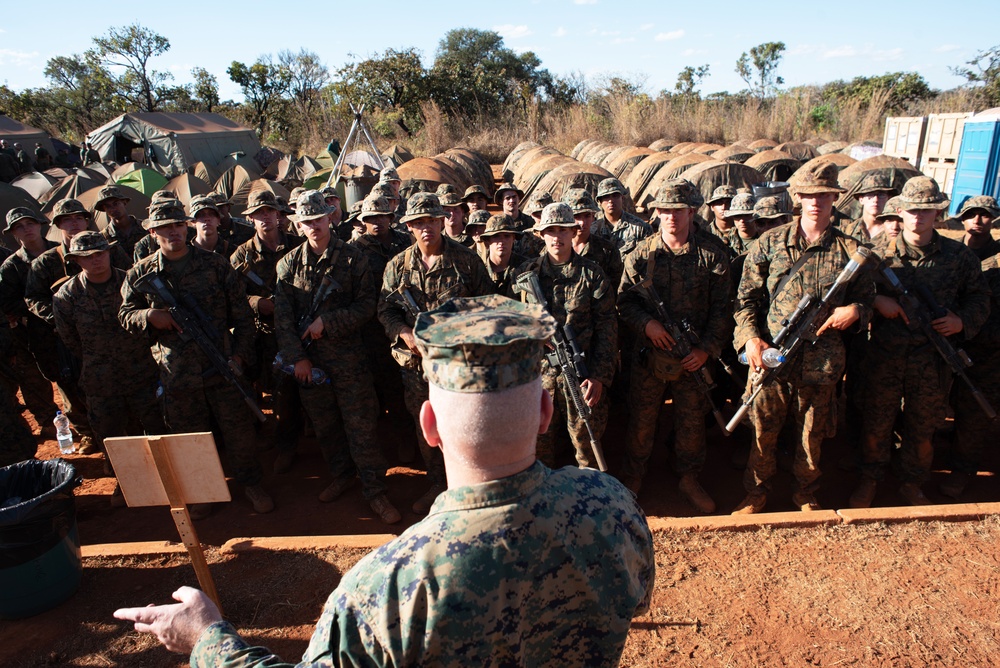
(646, 396)
(199, 404)
(385, 371)
(35, 389)
(415, 392)
(16, 442)
(565, 419)
(119, 414)
(344, 413)
(915, 381)
(973, 430)
(812, 408)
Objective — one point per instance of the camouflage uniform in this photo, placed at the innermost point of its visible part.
(723, 192)
(348, 403)
(16, 442)
(581, 568)
(629, 230)
(128, 240)
(86, 317)
(193, 394)
(501, 280)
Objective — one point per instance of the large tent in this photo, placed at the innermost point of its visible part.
(25, 135)
(172, 142)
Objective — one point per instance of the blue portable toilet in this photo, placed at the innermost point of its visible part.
(977, 170)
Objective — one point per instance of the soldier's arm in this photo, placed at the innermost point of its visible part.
(11, 290)
(631, 305)
(134, 311)
(390, 314)
(237, 260)
(238, 317)
(752, 299)
(974, 295)
(480, 282)
(38, 291)
(285, 317)
(344, 322)
(718, 327)
(604, 340)
(120, 258)
(615, 268)
(65, 322)
(860, 293)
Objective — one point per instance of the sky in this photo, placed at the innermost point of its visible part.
(649, 41)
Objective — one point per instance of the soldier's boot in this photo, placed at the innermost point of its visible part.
(696, 494)
(87, 446)
(199, 511)
(751, 505)
(913, 494)
(261, 500)
(336, 488)
(424, 503)
(283, 462)
(954, 485)
(864, 493)
(805, 501)
(385, 510)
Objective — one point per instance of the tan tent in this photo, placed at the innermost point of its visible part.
(14, 131)
(35, 184)
(775, 165)
(233, 181)
(644, 172)
(707, 176)
(241, 195)
(187, 187)
(798, 150)
(671, 170)
(138, 204)
(205, 172)
(70, 187)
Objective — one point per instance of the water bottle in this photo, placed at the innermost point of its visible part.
(63, 435)
(771, 357)
(318, 376)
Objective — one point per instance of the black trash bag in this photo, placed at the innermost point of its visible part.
(37, 509)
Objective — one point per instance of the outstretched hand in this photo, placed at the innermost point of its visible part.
(178, 626)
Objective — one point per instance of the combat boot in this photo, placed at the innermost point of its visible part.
(913, 494)
(261, 500)
(199, 511)
(424, 503)
(696, 494)
(283, 462)
(955, 484)
(336, 488)
(805, 501)
(385, 510)
(751, 505)
(864, 494)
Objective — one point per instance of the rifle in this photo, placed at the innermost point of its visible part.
(568, 358)
(252, 277)
(798, 328)
(326, 288)
(685, 339)
(402, 296)
(921, 309)
(197, 326)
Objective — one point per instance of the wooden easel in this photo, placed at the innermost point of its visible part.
(173, 470)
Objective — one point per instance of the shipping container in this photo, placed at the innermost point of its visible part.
(943, 139)
(976, 170)
(942, 171)
(904, 138)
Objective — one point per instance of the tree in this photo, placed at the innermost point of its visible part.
(689, 79)
(307, 78)
(758, 69)
(983, 74)
(82, 92)
(264, 85)
(205, 89)
(903, 89)
(394, 82)
(130, 49)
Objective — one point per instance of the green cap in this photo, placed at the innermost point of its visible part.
(721, 193)
(482, 344)
(166, 213)
(875, 182)
(108, 193)
(610, 186)
(922, 192)
(769, 207)
(374, 206)
(890, 210)
(480, 217)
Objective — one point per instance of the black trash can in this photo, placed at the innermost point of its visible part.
(40, 563)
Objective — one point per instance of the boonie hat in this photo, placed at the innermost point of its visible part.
(875, 182)
(310, 205)
(422, 205)
(769, 207)
(389, 174)
(537, 202)
(610, 186)
(721, 193)
(201, 203)
(556, 214)
(922, 192)
(109, 193)
(478, 218)
(499, 224)
(167, 213)
(817, 179)
(677, 194)
(742, 205)
(68, 207)
(87, 243)
(261, 199)
(475, 190)
(981, 202)
(890, 210)
(580, 200)
(19, 213)
(374, 206)
(498, 195)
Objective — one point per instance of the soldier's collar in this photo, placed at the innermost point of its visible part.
(494, 493)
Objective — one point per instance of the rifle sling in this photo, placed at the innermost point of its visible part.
(783, 283)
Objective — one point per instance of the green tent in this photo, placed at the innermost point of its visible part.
(144, 180)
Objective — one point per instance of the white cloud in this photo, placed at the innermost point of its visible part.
(584, 2)
(623, 40)
(610, 33)
(511, 31)
(646, 26)
(844, 51)
(17, 58)
(947, 48)
(667, 36)
(868, 51)
(560, 32)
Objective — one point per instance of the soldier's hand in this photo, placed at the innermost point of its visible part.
(409, 340)
(592, 391)
(695, 360)
(755, 349)
(177, 626)
(889, 308)
(161, 319)
(314, 330)
(948, 325)
(265, 306)
(658, 335)
(303, 371)
(841, 318)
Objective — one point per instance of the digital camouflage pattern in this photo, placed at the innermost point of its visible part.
(346, 409)
(422, 205)
(625, 234)
(501, 279)
(982, 203)
(255, 256)
(51, 266)
(604, 254)
(875, 182)
(722, 192)
(455, 590)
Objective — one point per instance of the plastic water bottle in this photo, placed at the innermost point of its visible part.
(63, 435)
(318, 376)
(771, 357)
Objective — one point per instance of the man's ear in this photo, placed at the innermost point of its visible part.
(429, 425)
(547, 410)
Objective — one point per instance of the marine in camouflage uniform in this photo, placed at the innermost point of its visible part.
(903, 366)
(456, 211)
(872, 193)
(123, 228)
(16, 442)
(978, 214)
(204, 221)
(147, 245)
(718, 204)
(692, 279)
(616, 224)
(86, 317)
(600, 251)
(194, 394)
(578, 295)
(454, 271)
(744, 233)
(582, 568)
(497, 252)
(233, 229)
(805, 390)
(508, 197)
(345, 408)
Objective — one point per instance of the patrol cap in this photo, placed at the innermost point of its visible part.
(422, 205)
(742, 205)
(374, 206)
(478, 218)
(875, 182)
(475, 190)
(580, 200)
(68, 207)
(19, 213)
(609, 187)
(537, 202)
(310, 205)
(87, 243)
(261, 199)
(816, 179)
(108, 193)
(499, 224)
(482, 344)
(201, 203)
(677, 194)
(922, 192)
(721, 193)
(981, 203)
(556, 214)
(890, 210)
(389, 174)
(498, 195)
(167, 213)
(769, 207)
